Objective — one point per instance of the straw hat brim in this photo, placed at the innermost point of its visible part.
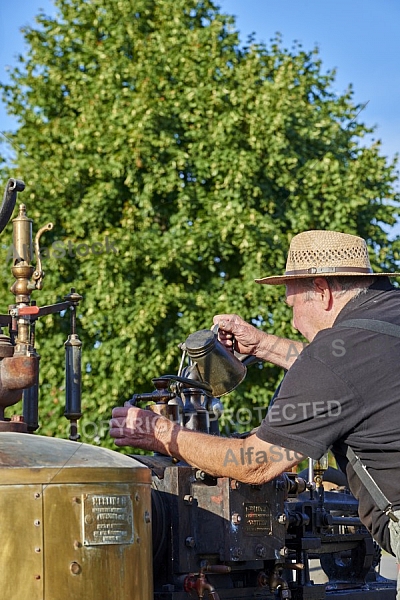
(283, 279)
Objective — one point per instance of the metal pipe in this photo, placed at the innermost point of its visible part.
(9, 199)
(73, 382)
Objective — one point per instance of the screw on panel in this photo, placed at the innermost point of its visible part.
(77, 544)
(147, 518)
(190, 542)
(37, 550)
(36, 522)
(137, 497)
(36, 495)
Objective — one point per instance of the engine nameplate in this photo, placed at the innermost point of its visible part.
(257, 519)
(107, 519)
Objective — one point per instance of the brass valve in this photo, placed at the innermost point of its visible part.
(28, 278)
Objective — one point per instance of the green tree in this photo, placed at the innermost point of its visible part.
(190, 161)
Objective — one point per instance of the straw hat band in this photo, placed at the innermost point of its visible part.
(318, 270)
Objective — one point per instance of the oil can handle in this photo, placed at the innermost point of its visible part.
(215, 329)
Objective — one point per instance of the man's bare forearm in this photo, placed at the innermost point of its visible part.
(279, 351)
(250, 460)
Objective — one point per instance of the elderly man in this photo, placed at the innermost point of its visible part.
(341, 390)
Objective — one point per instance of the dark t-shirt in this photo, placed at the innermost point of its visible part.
(344, 389)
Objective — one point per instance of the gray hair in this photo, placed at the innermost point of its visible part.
(338, 285)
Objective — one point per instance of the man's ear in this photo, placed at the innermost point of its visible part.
(323, 292)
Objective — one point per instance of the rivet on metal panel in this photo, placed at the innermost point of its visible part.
(37, 576)
(36, 495)
(77, 544)
(36, 522)
(76, 500)
(75, 568)
(38, 550)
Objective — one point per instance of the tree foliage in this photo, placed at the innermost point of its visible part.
(176, 167)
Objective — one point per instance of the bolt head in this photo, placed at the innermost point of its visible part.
(282, 519)
(261, 551)
(236, 553)
(236, 518)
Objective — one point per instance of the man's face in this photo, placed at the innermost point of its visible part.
(306, 309)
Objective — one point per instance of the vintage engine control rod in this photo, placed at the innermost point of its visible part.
(73, 371)
(19, 361)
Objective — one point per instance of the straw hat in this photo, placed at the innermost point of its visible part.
(325, 254)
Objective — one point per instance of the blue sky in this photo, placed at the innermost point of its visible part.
(357, 37)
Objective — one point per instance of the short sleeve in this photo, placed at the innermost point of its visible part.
(315, 407)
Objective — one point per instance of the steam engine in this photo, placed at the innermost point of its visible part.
(84, 522)
(220, 538)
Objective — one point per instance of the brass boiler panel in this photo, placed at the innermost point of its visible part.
(75, 522)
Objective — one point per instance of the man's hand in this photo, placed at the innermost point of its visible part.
(235, 334)
(131, 426)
